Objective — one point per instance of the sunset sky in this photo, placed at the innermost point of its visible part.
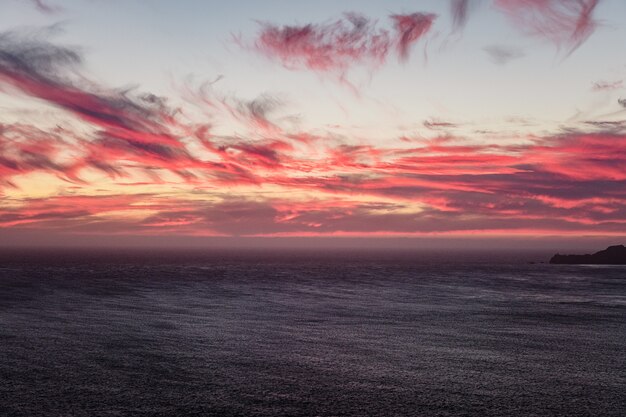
(181, 120)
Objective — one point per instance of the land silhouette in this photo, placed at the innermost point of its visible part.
(613, 255)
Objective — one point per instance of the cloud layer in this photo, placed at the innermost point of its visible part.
(128, 162)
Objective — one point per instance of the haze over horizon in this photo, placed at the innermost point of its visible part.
(399, 124)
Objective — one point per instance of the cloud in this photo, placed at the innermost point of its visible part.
(438, 124)
(43, 70)
(62, 211)
(331, 46)
(566, 23)
(451, 211)
(501, 55)
(45, 7)
(410, 28)
(574, 181)
(557, 184)
(606, 85)
(127, 126)
(264, 179)
(622, 102)
(46, 71)
(25, 149)
(355, 40)
(255, 115)
(459, 10)
(337, 46)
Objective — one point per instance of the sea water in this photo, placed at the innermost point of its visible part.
(309, 334)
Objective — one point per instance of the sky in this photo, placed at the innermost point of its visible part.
(453, 122)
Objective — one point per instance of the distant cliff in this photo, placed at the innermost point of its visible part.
(613, 255)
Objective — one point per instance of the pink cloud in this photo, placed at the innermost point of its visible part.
(410, 28)
(40, 69)
(242, 217)
(337, 46)
(573, 181)
(25, 149)
(569, 182)
(331, 47)
(566, 23)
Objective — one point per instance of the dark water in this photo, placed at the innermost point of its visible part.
(308, 335)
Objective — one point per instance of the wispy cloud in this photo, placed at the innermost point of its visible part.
(410, 28)
(126, 125)
(266, 179)
(607, 85)
(46, 7)
(460, 10)
(355, 40)
(25, 149)
(502, 55)
(435, 124)
(334, 46)
(438, 199)
(337, 46)
(43, 70)
(566, 23)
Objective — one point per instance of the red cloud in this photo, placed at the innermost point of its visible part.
(325, 47)
(452, 212)
(570, 182)
(43, 70)
(356, 40)
(25, 149)
(579, 178)
(335, 47)
(130, 131)
(409, 29)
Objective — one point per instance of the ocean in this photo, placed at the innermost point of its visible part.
(309, 334)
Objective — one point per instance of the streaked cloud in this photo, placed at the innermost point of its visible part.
(566, 23)
(410, 28)
(46, 7)
(607, 85)
(460, 10)
(337, 46)
(333, 46)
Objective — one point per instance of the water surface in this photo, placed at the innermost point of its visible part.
(308, 334)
